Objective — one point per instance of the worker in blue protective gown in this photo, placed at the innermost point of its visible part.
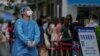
(27, 35)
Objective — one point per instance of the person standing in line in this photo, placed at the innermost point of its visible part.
(27, 35)
(46, 21)
(65, 36)
(47, 32)
(55, 30)
(92, 22)
(40, 24)
(74, 34)
(58, 27)
(42, 48)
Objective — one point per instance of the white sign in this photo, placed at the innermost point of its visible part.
(88, 42)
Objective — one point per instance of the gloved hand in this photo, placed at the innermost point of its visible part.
(31, 44)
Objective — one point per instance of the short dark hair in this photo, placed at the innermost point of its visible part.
(42, 17)
(78, 17)
(93, 17)
(39, 22)
(46, 16)
(69, 17)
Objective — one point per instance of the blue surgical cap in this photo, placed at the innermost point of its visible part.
(22, 10)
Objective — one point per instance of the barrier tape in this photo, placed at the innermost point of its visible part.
(60, 47)
(68, 44)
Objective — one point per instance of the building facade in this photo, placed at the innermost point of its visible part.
(82, 7)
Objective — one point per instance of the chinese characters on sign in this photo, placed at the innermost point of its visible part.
(88, 41)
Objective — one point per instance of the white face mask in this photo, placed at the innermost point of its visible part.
(45, 26)
(29, 13)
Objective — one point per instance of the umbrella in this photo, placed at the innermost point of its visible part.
(7, 16)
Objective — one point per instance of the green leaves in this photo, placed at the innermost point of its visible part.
(97, 30)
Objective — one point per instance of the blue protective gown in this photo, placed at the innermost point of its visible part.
(25, 31)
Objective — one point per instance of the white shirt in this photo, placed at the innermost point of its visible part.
(92, 25)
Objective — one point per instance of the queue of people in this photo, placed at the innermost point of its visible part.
(41, 37)
(62, 31)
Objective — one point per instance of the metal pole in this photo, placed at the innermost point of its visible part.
(55, 8)
(36, 8)
(60, 8)
(50, 8)
(45, 7)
